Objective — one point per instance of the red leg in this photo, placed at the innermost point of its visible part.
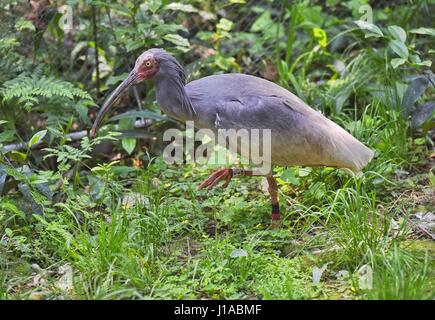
(273, 190)
(216, 177)
(223, 174)
(227, 174)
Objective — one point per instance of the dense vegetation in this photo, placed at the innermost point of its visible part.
(108, 218)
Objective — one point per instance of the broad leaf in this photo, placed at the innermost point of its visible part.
(129, 144)
(263, 22)
(424, 31)
(238, 253)
(426, 63)
(152, 5)
(317, 273)
(399, 48)
(224, 24)
(413, 92)
(176, 6)
(398, 33)
(7, 136)
(123, 170)
(37, 138)
(17, 156)
(373, 30)
(365, 277)
(321, 37)
(422, 114)
(397, 62)
(181, 43)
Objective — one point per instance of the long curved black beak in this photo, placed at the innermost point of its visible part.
(127, 83)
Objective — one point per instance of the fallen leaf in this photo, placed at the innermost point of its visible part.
(238, 253)
(317, 273)
(65, 282)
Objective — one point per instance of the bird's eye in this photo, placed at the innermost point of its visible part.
(148, 64)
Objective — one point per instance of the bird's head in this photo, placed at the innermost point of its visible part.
(150, 64)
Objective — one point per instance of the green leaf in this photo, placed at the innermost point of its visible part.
(37, 137)
(178, 40)
(112, 80)
(431, 177)
(176, 6)
(17, 156)
(424, 31)
(133, 45)
(399, 48)
(123, 170)
(236, 253)
(290, 177)
(321, 37)
(414, 58)
(24, 24)
(426, 63)
(422, 114)
(397, 62)
(7, 136)
(129, 144)
(373, 30)
(398, 33)
(224, 24)
(414, 92)
(9, 232)
(152, 5)
(263, 22)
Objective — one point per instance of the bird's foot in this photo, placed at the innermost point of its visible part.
(217, 176)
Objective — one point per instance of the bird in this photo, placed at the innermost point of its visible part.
(300, 135)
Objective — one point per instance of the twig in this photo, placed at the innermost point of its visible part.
(424, 231)
(73, 136)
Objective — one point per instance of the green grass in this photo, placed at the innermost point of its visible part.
(172, 241)
(400, 275)
(150, 234)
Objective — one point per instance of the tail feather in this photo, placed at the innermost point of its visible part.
(360, 154)
(350, 152)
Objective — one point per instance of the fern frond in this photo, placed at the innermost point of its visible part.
(28, 89)
(11, 63)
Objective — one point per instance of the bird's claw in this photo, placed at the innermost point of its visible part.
(216, 177)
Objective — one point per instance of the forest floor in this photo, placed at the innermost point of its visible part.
(162, 238)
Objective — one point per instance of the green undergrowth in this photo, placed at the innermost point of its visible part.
(162, 238)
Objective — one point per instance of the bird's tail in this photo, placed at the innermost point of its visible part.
(362, 155)
(350, 152)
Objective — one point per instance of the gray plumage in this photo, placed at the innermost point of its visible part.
(300, 135)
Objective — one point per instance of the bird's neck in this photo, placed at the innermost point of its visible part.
(172, 97)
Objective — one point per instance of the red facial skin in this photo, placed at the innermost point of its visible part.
(146, 67)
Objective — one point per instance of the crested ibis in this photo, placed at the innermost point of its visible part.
(300, 135)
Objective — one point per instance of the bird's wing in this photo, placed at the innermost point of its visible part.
(243, 92)
(300, 134)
